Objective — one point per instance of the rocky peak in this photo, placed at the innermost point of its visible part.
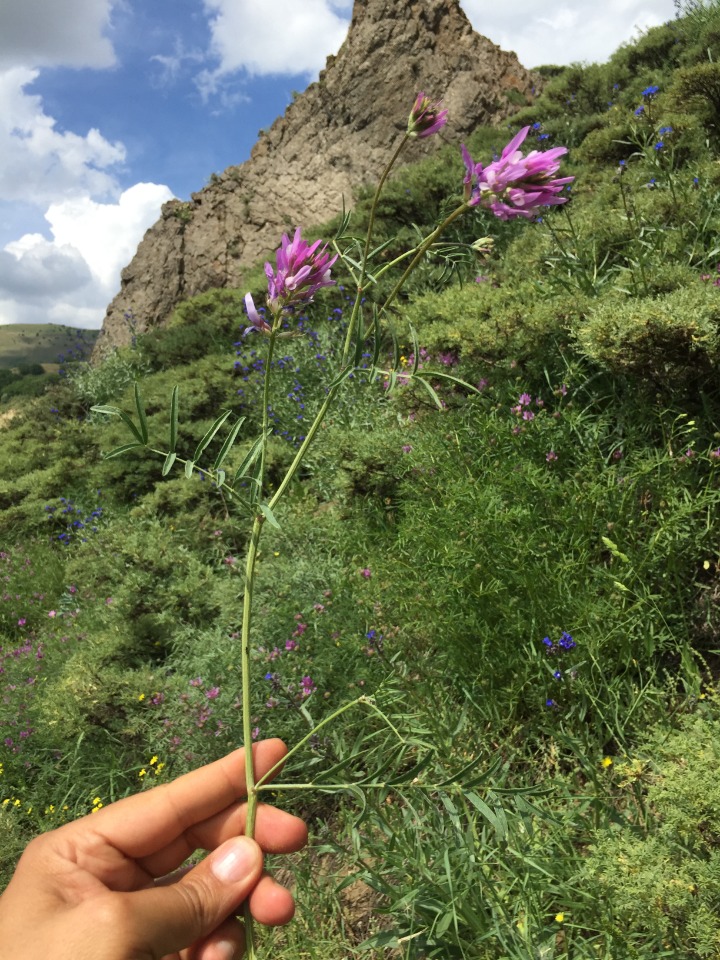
(331, 139)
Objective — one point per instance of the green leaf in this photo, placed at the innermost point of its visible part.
(142, 419)
(169, 461)
(173, 419)
(131, 427)
(435, 398)
(189, 465)
(220, 477)
(104, 408)
(416, 350)
(269, 515)
(227, 445)
(118, 451)
(484, 809)
(210, 434)
(250, 458)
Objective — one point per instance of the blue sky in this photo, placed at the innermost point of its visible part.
(108, 108)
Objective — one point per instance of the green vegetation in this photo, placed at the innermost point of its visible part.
(527, 580)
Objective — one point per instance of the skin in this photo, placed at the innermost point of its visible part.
(109, 886)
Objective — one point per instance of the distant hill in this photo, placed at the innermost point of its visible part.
(43, 343)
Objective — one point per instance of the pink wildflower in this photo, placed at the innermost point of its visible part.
(366, 572)
(302, 270)
(551, 457)
(426, 117)
(514, 185)
(212, 693)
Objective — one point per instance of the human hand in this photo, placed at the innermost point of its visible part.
(101, 888)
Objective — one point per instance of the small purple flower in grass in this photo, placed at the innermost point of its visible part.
(426, 117)
(515, 185)
(551, 456)
(212, 693)
(308, 686)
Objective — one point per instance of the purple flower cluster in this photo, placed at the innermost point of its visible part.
(514, 185)
(302, 270)
(557, 649)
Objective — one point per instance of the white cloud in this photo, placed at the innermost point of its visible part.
(72, 278)
(581, 31)
(283, 38)
(55, 33)
(41, 163)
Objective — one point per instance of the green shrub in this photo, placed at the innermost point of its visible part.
(671, 340)
(659, 883)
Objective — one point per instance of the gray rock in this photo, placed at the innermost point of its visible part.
(334, 137)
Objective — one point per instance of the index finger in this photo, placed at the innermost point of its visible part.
(139, 826)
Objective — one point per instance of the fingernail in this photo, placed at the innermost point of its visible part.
(225, 950)
(236, 860)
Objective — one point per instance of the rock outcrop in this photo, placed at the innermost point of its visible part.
(332, 138)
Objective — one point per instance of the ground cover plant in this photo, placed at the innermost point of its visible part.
(524, 579)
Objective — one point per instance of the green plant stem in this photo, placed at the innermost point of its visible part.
(366, 252)
(319, 417)
(630, 217)
(266, 408)
(424, 246)
(262, 783)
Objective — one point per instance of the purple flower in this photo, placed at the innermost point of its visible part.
(256, 321)
(514, 185)
(22, 621)
(308, 686)
(291, 644)
(650, 91)
(366, 572)
(551, 456)
(212, 693)
(302, 270)
(426, 117)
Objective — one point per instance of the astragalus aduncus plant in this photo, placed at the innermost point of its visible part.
(512, 186)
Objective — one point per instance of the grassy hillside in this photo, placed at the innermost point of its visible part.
(42, 343)
(504, 587)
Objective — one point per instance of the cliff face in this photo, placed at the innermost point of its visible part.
(332, 138)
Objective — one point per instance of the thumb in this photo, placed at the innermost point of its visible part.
(167, 919)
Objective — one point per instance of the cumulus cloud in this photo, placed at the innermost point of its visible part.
(70, 33)
(289, 38)
(564, 33)
(41, 163)
(71, 278)
(35, 268)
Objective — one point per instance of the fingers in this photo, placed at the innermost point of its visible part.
(275, 831)
(167, 918)
(271, 903)
(227, 941)
(140, 826)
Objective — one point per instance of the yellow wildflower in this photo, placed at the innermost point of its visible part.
(158, 768)
(153, 760)
(16, 803)
(143, 772)
(559, 918)
(606, 762)
(141, 696)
